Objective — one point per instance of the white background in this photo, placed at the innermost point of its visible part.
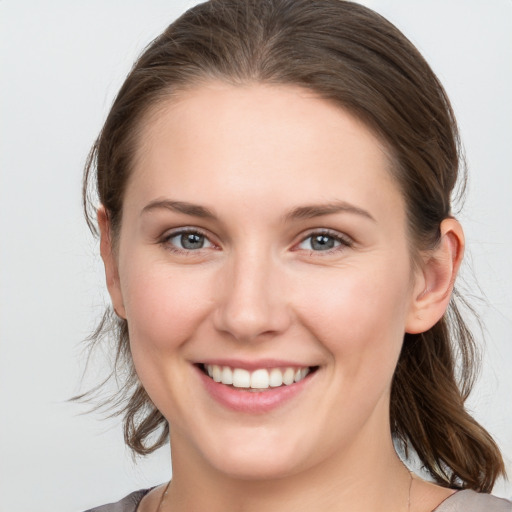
(61, 64)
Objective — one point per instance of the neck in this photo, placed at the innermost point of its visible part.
(368, 477)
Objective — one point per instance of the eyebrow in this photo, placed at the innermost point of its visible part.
(318, 210)
(301, 212)
(180, 207)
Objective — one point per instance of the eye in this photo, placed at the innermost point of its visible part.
(188, 241)
(323, 241)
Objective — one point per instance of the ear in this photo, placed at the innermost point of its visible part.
(110, 262)
(435, 280)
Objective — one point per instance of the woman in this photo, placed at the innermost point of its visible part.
(275, 181)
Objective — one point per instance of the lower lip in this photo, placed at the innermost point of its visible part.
(242, 400)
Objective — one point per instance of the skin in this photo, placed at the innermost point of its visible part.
(257, 289)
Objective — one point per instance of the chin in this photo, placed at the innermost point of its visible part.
(260, 460)
(260, 469)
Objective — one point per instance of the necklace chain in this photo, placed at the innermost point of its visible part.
(409, 493)
(162, 498)
(164, 495)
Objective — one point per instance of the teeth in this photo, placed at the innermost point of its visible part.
(276, 378)
(241, 378)
(227, 375)
(217, 374)
(300, 374)
(258, 379)
(288, 376)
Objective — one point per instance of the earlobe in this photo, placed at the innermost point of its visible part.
(435, 284)
(110, 263)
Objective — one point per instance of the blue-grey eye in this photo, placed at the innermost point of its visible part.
(319, 242)
(190, 241)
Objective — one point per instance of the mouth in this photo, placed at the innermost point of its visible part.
(260, 379)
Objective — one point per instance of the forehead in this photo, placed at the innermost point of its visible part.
(259, 141)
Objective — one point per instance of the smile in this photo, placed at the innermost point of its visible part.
(258, 379)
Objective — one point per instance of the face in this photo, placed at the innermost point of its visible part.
(263, 267)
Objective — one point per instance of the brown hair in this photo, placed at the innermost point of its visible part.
(352, 56)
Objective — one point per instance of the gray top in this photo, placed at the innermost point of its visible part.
(471, 501)
(461, 501)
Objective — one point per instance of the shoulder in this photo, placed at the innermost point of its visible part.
(471, 501)
(127, 504)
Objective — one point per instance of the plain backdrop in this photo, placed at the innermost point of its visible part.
(61, 65)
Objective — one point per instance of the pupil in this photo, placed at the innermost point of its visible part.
(192, 241)
(322, 242)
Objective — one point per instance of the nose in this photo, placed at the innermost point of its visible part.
(252, 303)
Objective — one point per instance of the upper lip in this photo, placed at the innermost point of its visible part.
(254, 364)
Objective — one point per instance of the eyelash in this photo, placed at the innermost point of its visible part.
(343, 241)
(166, 240)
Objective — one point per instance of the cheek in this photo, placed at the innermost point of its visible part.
(359, 320)
(360, 317)
(164, 305)
(164, 309)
